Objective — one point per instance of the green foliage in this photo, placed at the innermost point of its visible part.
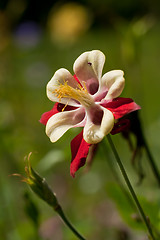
(128, 211)
(125, 206)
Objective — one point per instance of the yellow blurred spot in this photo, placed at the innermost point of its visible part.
(68, 22)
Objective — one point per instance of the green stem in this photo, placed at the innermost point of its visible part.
(66, 221)
(132, 192)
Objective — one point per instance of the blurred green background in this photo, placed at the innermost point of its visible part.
(36, 39)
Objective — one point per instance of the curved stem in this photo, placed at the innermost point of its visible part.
(41, 188)
(66, 221)
(132, 192)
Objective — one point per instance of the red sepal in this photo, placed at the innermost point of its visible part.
(75, 77)
(45, 116)
(58, 107)
(79, 149)
(120, 126)
(120, 106)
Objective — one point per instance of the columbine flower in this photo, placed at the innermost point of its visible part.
(87, 100)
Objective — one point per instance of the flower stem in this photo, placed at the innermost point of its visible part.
(66, 221)
(132, 192)
(41, 188)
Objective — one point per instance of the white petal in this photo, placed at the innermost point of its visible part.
(95, 133)
(59, 123)
(88, 68)
(114, 82)
(62, 75)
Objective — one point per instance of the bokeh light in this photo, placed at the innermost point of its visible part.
(69, 21)
(27, 34)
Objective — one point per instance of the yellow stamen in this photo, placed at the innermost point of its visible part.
(80, 94)
(65, 105)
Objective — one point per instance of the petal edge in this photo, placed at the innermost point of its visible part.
(79, 149)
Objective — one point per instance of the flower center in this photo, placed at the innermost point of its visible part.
(80, 94)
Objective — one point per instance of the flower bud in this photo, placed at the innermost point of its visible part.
(40, 187)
